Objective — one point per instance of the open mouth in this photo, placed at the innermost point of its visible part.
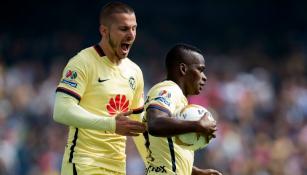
(201, 86)
(125, 47)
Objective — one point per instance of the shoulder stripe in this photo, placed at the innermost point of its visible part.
(72, 148)
(172, 152)
(99, 50)
(161, 108)
(68, 92)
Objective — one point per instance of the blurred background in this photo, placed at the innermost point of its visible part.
(255, 51)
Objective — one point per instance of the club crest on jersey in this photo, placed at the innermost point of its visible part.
(70, 76)
(117, 104)
(132, 83)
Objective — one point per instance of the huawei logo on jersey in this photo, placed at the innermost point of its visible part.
(118, 104)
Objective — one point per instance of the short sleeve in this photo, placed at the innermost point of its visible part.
(162, 98)
(74, 78)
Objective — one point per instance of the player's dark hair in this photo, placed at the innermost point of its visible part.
(178, 54)
(113, 7)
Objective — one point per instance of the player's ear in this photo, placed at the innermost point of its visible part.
(103, 30)
(183, 68)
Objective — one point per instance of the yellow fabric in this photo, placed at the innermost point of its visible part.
(139, 142)
(67, 111)
(168, 97)
(91, 170)
(81, 169)
(103, 89)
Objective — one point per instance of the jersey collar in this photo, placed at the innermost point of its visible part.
(99, 50)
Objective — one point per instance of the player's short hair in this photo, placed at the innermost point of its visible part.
(110, 8)
(179, 54)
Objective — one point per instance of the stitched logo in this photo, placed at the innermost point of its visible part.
(102, 80)
(132, 83)
(71, 74)
(118, 104)
(69, 78)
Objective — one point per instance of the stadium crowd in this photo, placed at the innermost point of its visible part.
(258, 98)
(260, 105)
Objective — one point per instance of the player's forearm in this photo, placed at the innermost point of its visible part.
(195, 170)
(168, 127)
(68, 112)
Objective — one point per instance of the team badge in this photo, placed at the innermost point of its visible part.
(132, 83)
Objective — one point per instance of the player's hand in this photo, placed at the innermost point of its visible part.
(207, 127)
(128, 127)
(197, 171)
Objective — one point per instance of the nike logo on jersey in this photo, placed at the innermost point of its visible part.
(100, 80)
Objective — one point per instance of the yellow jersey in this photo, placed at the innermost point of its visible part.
(163, 155)
(105, 89)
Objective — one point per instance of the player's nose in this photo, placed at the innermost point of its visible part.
(131, 34)
(204, 77)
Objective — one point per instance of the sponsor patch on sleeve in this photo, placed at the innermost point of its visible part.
(72, 84)
(162, 100)
(69, 78)
(163, 97)
(165, 94)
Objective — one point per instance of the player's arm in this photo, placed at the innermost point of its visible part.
(197, 171)
(161, 124)
(68, 112)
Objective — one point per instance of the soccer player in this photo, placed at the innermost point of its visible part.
(99, 89)
(185, 67)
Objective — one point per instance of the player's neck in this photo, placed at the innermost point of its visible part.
(179, 83)
(110, 54)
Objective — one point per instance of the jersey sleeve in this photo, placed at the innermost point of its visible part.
(74, 78)
(161, 98)
(68, 112)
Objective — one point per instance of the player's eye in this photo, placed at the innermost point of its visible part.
(201, 69)
(123, 29)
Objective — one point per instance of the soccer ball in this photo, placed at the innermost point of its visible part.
(192, 141)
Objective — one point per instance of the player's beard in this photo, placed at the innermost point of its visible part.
(113, 47)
